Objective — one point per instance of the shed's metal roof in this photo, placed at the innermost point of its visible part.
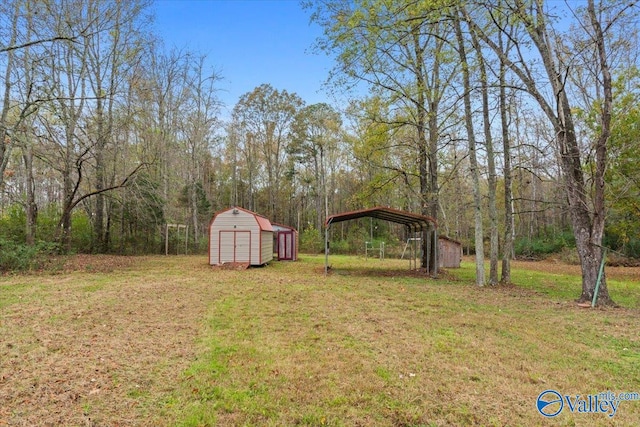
(263, 222)
(388, 214)
(280, 227)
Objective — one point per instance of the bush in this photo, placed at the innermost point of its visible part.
(13, 224)
(341, 247)
(21, 257)
(623, 243)
(632, 248)
(311, 241)
(540, 246)
(48, 218)
(81, 232)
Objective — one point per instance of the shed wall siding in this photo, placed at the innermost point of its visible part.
(231, 238)
(238, 238)
(449, 254)
(266, 246)
(214, 247)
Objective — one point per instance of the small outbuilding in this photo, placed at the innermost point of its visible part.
(286, 242)
(237, 235)
(449, 252)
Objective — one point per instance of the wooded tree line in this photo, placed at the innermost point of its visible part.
(513, 123)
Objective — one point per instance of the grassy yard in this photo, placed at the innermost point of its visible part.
(171, 341)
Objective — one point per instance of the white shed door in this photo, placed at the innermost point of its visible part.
(235, 246)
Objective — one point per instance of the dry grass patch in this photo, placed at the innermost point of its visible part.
(96, 349)
(170, 341)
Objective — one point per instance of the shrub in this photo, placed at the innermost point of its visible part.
(81, 232)
(623, 243)
(540, 246)
(341, 247)
(311, 241)
(21, 257)
(13, 223)
(48, 218)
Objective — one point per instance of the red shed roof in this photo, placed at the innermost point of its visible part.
(281, 227)
(263, 222)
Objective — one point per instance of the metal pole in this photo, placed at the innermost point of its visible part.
(427, 247)
(326, 249)
(595, 293)
(436, 254)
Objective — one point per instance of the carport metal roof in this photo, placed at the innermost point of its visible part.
(415, 221)
(412, 221)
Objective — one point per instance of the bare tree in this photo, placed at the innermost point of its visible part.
(5, 139)
(473, 159)
(587, 208)
(507, 249)
(491, 161)
(197, 129)
(316, 131)
(265, 115)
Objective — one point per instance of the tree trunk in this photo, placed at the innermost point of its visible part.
(477, 200)
(507, 248)
(588, 227)
(194, 209)
(426, 163)
(491, 165)
(5, 141)
(434, 133)
(317, 162)
(98, 218)
(31, 207)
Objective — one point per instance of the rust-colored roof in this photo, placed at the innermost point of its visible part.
(263, 221)
(388, 214)
(280, 227)
(443, 237)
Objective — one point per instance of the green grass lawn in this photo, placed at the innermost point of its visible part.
(368, 345)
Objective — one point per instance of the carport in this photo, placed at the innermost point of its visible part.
(414, 223)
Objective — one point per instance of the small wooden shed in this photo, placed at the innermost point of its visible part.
(240, 236)
(449, 252)
(285, 242)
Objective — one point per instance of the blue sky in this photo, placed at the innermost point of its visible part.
(249, 42)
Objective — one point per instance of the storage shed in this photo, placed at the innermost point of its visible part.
(449, 252)
(286, 242)
(240, 236)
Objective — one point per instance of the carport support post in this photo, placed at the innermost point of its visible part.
(326, 249)
(436, 259)
(408, 241)
(424, 245)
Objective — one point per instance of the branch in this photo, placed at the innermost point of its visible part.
(122, 184)
(35, 42)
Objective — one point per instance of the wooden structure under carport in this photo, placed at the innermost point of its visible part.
(449, 252)
(414, 223)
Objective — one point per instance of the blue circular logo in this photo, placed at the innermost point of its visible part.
(549, 403)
